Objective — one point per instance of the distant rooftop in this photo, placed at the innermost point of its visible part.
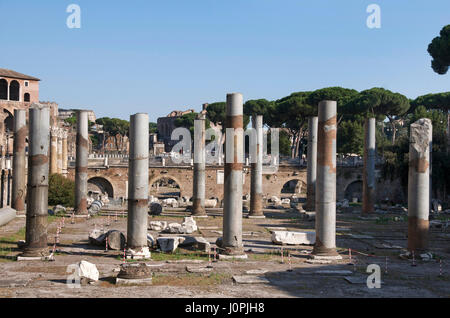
(9, 73)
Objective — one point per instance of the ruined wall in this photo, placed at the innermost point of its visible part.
(273, 183)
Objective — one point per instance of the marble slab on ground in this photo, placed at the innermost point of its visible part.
(250, 280)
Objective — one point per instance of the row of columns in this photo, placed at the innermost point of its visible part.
(58, 151)
(325, 187)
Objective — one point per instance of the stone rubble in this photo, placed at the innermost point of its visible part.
(293, 238)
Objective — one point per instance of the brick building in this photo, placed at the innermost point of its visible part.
(17, 91)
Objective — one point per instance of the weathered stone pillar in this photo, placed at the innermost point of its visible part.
(198, 200)
(232, 188)
(421, 133)
(64, 152)
(311, 172)
(325, 246)
(37, 186)
(369, 167)
(18, 182)
(54, 150)
(3, 188)
(256, 185)
(59, 152)
(81, 163)
(138, 188)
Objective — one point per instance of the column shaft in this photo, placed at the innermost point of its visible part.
(421, 133)
(18, 182)
(81, 163)
(54, 151)
(138, 187)
(326, 181)
(311, 173)
(198, 203)
(64, 153)
(369, 167)
(256, 185)
(232, 209)
(37, 186)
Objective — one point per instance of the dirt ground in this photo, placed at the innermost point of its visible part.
(378, 239)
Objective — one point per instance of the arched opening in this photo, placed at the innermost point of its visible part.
(26, 97)
(3, 89)
(294, 186)
(99, 185)
(354, 191)
(8, 122)
(14, 90)
(165, 187)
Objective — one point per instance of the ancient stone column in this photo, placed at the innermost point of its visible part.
(81, 163)
(198, 199)
(138, 188)
(37, 186)
(256, 185)
(232, 188)
(421, 133)
(369, 167)
(325, 246)
(18, 182)
(59, 152)
(54, 150)
(311, 172)
(64, 152)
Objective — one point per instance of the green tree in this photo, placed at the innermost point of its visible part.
(339, 94)
(379, 102)
(61, 190)
(292, 113)
(216, 113)
(72, 120)
(114, 127)
(439, 49)
(187, 121)
(152, 128)
(350, 137)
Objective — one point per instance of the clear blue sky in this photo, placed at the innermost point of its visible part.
(157, 56)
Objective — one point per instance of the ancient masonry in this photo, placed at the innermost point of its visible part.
(419, 184)
(138, 188)
(44, 141)
(81, 163)
(37, 206)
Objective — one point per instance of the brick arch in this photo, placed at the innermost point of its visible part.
(299, 180)
(163, 175)
(104, 184)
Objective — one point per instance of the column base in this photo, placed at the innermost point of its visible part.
(231, 251)
(138, 253)
(225, 256)
(323, 253)
(34, 252)
(199, 215)
(257, 216)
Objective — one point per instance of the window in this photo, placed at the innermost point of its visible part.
(26, 83)
(26, 97)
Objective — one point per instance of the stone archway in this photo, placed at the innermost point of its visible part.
(165, 186)
(101, 185)
(293, 186)
(354, 190)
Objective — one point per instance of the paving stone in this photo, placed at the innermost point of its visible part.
(250, 280)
